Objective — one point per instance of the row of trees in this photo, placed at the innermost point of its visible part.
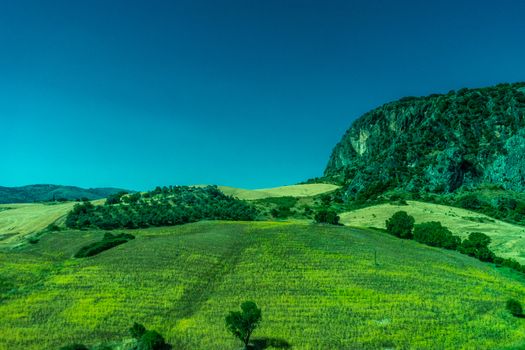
(180, 205)
(434, 234)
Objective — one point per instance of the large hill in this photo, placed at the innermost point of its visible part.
(438, 143)
(40, 193)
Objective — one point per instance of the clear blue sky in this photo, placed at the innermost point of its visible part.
(245, 93)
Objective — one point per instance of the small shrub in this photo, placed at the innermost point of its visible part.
(137, 330)
(33, 240)
(74, 347)
(53, 227)
(152, 340)
(327, 216)
(400, 225)
(514, 307)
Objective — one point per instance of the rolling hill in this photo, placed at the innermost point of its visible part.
(508, 240)
(304, 190)
(319, 288)
(42, 193)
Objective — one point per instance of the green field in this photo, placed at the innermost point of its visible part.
(508, 240)
(318, 286)
(306, 190)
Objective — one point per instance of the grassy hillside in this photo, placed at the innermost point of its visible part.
(19, 220)
(508, 240)
(40, 193)
(306, 190)
(318, 287)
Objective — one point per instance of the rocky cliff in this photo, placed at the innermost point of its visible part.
(437, 143)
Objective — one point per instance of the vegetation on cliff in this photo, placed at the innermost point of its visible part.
(435, 144)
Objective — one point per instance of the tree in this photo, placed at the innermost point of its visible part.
(137, 330)
(400, 225)
(242, 323)
(476, 245)
(152, 340)
(514, 307)
(434, 234)
(327, 216)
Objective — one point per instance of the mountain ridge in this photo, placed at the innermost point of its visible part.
(49, 192)
(437, 143)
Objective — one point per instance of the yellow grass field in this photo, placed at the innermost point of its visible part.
(19, 220)
(306, 190)
(508, 240)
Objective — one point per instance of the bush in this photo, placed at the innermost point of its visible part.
(327, 216)
(152, 340)
(514, 307)
(74, 347)
(435, 235)
(476, 245)
(400, 225)
(137, 330)
(109, 241)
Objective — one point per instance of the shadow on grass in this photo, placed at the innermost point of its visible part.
(264, 343)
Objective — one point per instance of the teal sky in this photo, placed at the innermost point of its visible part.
(246, 93)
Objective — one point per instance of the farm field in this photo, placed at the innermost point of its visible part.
(306, 190)
(19, 220)
(508, 240)
(319, 287)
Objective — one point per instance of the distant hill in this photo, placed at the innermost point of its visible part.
(305, 190)
(436, 144)
(40, 193)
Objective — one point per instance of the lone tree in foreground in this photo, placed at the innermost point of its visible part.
(242, 323)
(514, 307)
(400, 225)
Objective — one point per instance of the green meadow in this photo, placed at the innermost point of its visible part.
(319, 287)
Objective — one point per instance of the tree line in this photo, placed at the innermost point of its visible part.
(174, 205)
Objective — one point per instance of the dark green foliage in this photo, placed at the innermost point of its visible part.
(137, 330)
(476, 245)
(327, 216)
(434, 234)
(33, 240)
(242, 323)
(400, 225)
(109, 241)
(434, 144)
(53, 227)
(514, 307)
(115, 198)
(152, 340)
(74, 347)
(48, 193)
(162, 207)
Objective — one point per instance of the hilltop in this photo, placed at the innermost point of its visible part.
(43, 193)
(436, 144)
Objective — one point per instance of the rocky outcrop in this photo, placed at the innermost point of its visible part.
(437, 143)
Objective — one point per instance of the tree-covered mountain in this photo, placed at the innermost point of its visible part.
(436, 144)
(40, 193)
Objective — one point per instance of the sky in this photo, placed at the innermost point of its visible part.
(246, 93)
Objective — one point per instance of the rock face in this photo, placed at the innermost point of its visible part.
(437, 143)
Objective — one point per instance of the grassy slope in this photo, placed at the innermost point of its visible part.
(19, 220)
(318, 287)
(306, 190)
(507, 240)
